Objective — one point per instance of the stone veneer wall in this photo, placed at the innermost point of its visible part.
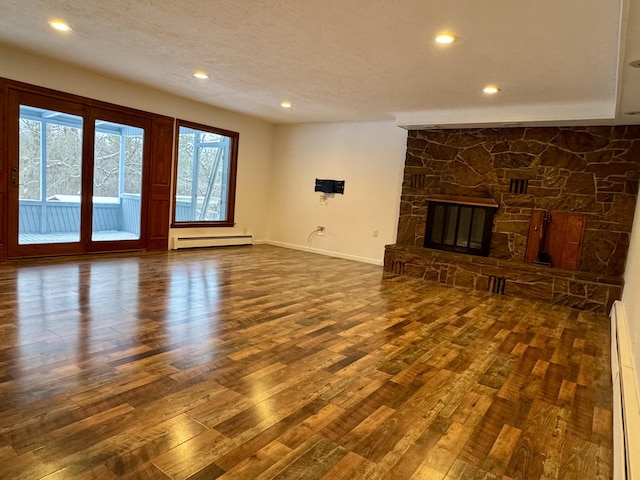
(590, 170)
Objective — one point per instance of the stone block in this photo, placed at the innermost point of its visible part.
(462, 138)
(560, 285)
(541, 134)
(597, 293)
(521, 228)
(527, 174)
(633, 153)
(464, 278)
(462, 174)
(631, 131)
(500, 147)
(604, 156)
(581, 183)
(418, 144)
(432, 275)
(615, 267)
(577, 141)
(554, 178)
(412, 160)
(415, 271)
(604, 170)
(577, 288)
(440, 152)
(482, 283)
(435, 166)
(478, 158)
(500, 246)
(513, 160)
(528, 146)
(571, 203)
(580, 303)
(533, 291)
(557, 158)
(545, 191)
(608, 186)
(406, 230)
(604, 197)
(518, 200)
(622, 209)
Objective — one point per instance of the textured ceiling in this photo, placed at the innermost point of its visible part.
(343, 60)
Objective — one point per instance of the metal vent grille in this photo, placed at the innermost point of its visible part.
(518, 185)
(497, 284)
(397, 267)
(417, 181)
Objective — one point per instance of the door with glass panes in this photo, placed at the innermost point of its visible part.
(77, 177)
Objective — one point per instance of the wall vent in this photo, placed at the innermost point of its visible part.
(497, 284)
(518, 185)
(397, 267)
(417, 181)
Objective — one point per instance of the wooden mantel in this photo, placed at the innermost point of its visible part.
(476, 201)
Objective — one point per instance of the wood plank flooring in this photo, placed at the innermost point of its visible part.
(266, 363)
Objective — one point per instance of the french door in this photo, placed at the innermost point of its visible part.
(77, 177)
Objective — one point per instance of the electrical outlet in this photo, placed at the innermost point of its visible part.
(321, 230)
(375, 233)
(323, 199)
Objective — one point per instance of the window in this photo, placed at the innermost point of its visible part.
(205, 176)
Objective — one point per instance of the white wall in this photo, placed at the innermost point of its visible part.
(369, 157)
(631, 293)
(256, 136)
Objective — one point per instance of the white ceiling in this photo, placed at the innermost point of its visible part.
(556, 62)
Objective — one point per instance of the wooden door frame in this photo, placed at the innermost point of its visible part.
(156, 188)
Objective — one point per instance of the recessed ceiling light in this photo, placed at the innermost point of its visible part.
(60, 26)
(285, 104)
(201, 75)
(445, 38)
(491, 89)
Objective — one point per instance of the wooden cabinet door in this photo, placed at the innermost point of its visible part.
(564, 238)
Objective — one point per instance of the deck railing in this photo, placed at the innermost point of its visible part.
(54, 216)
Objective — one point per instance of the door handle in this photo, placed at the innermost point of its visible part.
(15, 177)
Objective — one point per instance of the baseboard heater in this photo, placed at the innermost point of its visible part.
(626, 406)
(211, 241)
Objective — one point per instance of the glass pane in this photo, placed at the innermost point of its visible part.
(30, 156)
(438, 224)
(50, 176)
(464, 225)
(477, 227)
(117, 181)
(450, 229)
(203, 176)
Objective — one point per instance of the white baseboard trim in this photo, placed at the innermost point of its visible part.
(328, 253)
(626, 403)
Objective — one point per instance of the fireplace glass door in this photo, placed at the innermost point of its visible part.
(459, 228)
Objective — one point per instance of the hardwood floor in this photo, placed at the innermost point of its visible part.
(260, 363)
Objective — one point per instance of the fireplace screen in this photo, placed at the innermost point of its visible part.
(459, 228)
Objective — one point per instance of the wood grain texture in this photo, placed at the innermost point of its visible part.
(262, 363)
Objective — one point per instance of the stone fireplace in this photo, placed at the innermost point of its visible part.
(584, 176)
